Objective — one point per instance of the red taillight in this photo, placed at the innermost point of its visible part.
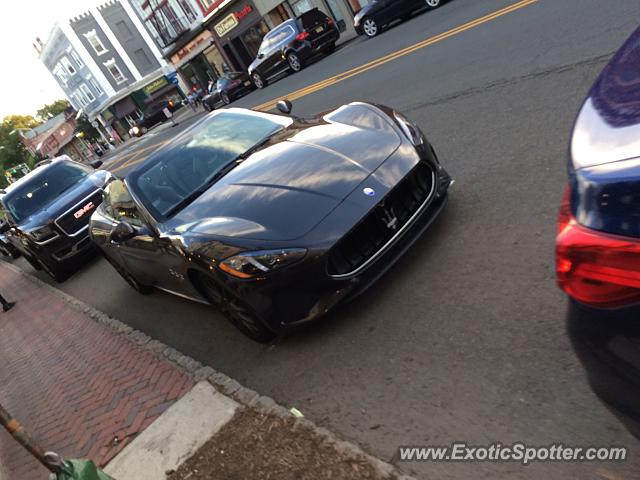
(329, 21)
(596, 268)
(302, 36)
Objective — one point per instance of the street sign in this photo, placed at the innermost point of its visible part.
(173, 78)
(95, 124)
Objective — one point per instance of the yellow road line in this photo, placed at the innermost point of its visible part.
(134, 160)
(394, 55)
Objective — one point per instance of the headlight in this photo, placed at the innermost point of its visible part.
(253, 264)
(135, 130)
(410, 131)
(43, 234)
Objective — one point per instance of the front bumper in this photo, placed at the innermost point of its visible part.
(64, 251)
(306, 291)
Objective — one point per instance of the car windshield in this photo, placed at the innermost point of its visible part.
(176, 175)
(42, 188)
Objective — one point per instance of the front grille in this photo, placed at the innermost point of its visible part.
(71, 225)
(369, 237)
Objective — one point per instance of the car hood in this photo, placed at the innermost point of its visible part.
(67, 200)
(608, 126)
(285, 189)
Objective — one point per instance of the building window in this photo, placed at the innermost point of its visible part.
(61, 73)
(123, 30)
(115, 72)
(94, 41)
(67, 66)
(95, 85)
(87, 93)
(76, 58)
(80, 96)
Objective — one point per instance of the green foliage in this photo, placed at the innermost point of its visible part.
(12, 151)
(52, 109)
(84, 126)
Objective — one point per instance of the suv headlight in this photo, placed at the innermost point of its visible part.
(43, 234)
(253, 264)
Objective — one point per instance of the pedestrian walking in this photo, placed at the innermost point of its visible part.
(6, 306)
(192, 101)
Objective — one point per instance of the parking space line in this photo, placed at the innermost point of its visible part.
(394, 55)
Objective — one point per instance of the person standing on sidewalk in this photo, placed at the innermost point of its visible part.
(6, 306)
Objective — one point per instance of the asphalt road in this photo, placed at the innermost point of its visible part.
(464, 340)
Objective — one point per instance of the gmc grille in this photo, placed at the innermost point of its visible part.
(382, 224)
(69, 224)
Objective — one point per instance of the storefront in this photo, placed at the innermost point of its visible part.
(239, 28)
(199, 61)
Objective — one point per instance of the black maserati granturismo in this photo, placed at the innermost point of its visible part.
(272, 218)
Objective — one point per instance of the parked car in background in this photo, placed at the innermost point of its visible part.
(229, 87)
(290, 45)
(7, 249)
(48, 213)
(153, 114)
(376, 14)
(598, 242)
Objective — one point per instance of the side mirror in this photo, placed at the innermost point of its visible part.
(4, 227)
(284, 106)
(96, 163)
(122, 232)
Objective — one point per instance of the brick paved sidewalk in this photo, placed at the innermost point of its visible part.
(73, 383)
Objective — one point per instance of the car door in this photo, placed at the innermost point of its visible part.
(149, 257)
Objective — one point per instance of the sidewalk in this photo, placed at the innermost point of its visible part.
(85, 385)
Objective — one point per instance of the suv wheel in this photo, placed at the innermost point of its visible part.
(54, 272)
(294, 62)
(432, 4)
(225, 98)
(258, 81)
(370, 27)
(236, 311)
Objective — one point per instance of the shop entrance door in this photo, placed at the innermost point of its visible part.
(243, 53)
(235, 65)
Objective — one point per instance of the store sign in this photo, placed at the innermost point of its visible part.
(155, 85)
(205, 36)
(231, 21)
(227, 24)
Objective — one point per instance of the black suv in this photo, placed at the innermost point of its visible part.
(48, 213)
(154, 113)
(289, 45)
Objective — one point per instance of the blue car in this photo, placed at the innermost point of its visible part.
(598, 242)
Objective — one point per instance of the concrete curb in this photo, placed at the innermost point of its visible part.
(224, 384)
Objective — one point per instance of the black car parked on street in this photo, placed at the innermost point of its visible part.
(291, 44)
(229, 87)
(153, 114)
(378, 13)
(274, 219)
(48, 213)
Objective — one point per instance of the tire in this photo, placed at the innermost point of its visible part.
(207, 107)
(144, 130)
(236, 311)
(295, 62)
(370, 27)
(224, 96)
(54, 272)
(258, 81)
(431, 4)
(130, 279)
(33, 262)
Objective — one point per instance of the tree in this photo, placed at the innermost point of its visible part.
(52, 109)
(84, 126)
(12, 151)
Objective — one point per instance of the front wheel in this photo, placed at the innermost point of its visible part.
(130, 279)
(258, 81)
(370, 27)
(54, 272)
(431, 4)
(294, 62)
(224, 96)
(236, 311)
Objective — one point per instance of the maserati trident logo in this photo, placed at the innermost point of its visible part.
(87, 208)
(389, 218)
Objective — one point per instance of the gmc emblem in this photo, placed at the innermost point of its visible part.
(89, 206)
